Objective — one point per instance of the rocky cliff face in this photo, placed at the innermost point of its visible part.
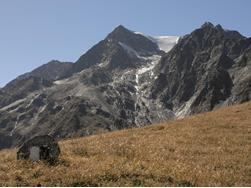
(127, 80)
(121, 49)
(208, 68)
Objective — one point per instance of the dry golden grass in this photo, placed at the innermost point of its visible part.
(210, 149)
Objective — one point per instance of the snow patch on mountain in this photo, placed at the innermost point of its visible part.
(14, 104)
(153, 62)
(130, 50)
(184, 110)
(165, 43)
(59, 82)
(147, 36)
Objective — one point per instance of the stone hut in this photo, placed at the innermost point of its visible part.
(39, 148)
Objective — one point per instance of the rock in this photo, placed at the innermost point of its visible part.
(39, 148)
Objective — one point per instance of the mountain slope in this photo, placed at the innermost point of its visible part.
(206, 69)
(210, 149)
(39, 78)
(111, 51)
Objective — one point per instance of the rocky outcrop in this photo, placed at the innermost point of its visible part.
(202, 71)
(39, 148)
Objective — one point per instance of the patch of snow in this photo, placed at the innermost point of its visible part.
(15, 126)
(30, 103)
(59, 82)
(137, 81)
(138, 33)
(185, 108)
(145, 69)
(17, 102)
(129, 50)
(151, 62)
(150, 66)
(137, 78)
(147, 36)
(42, 109)
(101, 65)
(166, 43)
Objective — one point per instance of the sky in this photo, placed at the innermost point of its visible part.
(34, 32)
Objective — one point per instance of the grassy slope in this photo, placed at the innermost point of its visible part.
(210, 149)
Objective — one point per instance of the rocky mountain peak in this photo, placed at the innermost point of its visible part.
(54, 61)
(138, 42)
(207, 25)
(219, 27)
(120, 49)
(218, 31)
(118, 31)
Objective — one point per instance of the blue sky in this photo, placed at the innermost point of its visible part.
(33, 32)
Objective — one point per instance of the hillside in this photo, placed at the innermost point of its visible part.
(209, 149)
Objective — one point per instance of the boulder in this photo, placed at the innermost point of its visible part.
(43, 148)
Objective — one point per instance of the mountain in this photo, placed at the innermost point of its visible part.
(39, 78)
(208, 149)
(129, 79)
(208, 68)
(119, 50)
